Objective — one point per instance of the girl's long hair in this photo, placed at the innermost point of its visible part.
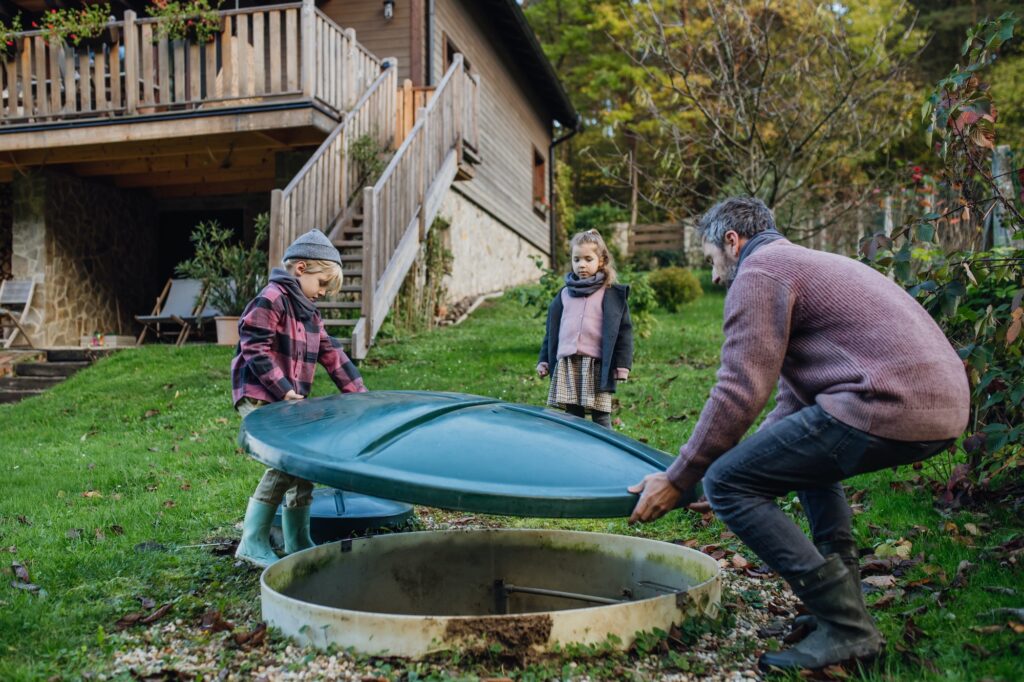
(594, 237)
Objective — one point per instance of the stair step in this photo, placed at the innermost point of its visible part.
(16, 396)
(351, 258)
(28, 383)
(352, 273)
(48, 369)
(349, 243)
(340, 323)
(340, 305)
(76, 354)
(352, 289)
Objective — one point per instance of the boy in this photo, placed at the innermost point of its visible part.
(279, 332)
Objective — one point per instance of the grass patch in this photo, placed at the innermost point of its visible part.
(116, 479)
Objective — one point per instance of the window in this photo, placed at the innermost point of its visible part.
(540, 183)
(450, 50)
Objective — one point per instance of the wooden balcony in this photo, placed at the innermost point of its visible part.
(275, 77)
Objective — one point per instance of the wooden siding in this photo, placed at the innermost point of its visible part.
(382, 38)
(511, 124)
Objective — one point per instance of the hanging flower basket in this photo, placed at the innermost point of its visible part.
(193, 20)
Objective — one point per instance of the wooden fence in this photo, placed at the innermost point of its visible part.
(657, 237)
(287, 50)
(321, 191)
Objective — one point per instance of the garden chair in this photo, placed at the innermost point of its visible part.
(15, 301)
(179, 306)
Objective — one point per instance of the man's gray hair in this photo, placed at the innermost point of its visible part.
(746, 216)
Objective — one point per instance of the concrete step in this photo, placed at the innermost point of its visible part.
(48, 369)
(17, 396)
(77, 354)
(18, 383)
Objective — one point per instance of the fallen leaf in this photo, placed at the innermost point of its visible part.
(13, 549)
(221, 420)
(253, 637)
(1016, 627)
(99, 534)
(128, 620)
(977, 649)
(151, 488)
(972, 529)
(988, 629)
(887, 599)
(23, 520)
(169, 504)
(157, 615)
(996, 613)
(28, 587)
(880, 581)
(212, 621)
(911, 632)
(186, 486)
(117, 530)
(146, 602)
(20, 572)
(92, 493)
(739, 561)
(74, 533)
(900, 548)
(960, 579)
(150, 413)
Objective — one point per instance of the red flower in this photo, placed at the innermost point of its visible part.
(917, 169)
(53, 11)
(35, 25)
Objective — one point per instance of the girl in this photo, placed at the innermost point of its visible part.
(588, 335)
(282, 338)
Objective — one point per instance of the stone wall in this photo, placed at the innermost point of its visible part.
(6, 231)
(487, 255)
(91, 249)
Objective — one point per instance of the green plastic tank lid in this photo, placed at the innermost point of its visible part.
(454, 451)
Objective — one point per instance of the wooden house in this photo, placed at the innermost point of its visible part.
(111, 150)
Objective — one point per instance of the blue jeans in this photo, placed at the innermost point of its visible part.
(809, 452)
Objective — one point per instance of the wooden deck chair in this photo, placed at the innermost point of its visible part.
(15, 300)
(177, 306)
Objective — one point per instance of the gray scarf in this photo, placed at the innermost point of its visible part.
(583, 287)
(756, 242)
(304, 308)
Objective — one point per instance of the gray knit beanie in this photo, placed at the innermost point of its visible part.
(313, 245)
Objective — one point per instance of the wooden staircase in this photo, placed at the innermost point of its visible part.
(378, 228)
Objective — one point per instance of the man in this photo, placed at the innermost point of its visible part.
(866, 380)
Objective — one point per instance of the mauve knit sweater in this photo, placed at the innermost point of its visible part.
(831, 331)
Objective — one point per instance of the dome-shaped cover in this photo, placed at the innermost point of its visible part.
(454, 451)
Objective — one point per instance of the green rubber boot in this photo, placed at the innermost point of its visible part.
(845, 633)
(295, 528)
(847, 551)
(254, 547)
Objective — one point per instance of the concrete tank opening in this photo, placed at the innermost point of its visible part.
(412, 594)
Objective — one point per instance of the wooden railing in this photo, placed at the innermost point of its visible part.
(321, 191)
(413, 98)
(399, 208)
(263, 53)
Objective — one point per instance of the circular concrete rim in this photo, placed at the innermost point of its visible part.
(699, 599)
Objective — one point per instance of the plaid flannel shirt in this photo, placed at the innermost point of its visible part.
(278, 352)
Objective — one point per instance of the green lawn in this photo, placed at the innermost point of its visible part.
(115, 480)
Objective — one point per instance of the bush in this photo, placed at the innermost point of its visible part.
(675, 286)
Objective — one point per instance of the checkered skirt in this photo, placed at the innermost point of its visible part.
(575, 381)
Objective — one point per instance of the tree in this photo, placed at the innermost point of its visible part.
(784, 100)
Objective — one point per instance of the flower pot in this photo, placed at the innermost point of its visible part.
(227, 331)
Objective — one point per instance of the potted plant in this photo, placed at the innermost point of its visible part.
(197, 20)
(9, 36)
(232, 274)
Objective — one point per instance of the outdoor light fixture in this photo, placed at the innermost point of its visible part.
(389, 9)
